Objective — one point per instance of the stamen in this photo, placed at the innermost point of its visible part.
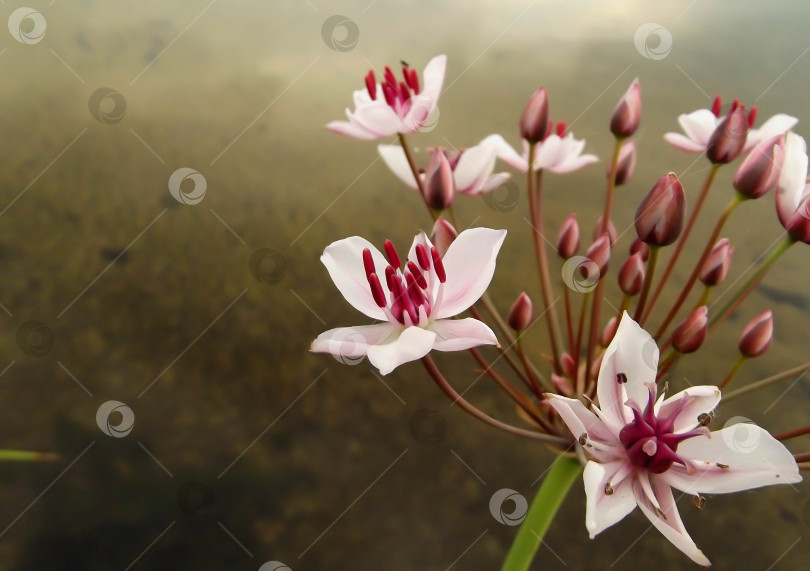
(368, 262)
(388, 93)
(752, 116)
(377, 290)
(608, 489)
(561, 129)
(390, 79)
(650, 447)
(583, 439)
(371, 85)
(413, 80)
(390, 272)
(438, 265)
(704, 419)
(413, 290)
(699, 501)
(722, 466)
(391, 254)
(621, 378)
(422, 257)
(716, 106)
(404, 92)
(734, 106)
(420, 278)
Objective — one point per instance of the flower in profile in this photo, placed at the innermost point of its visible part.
(699, 126)
(472, 168)
(640, 446)
(793, 191)
(414, 301)
(391, 107)
(558, 152)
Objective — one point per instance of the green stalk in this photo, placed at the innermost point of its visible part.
(564, 471)
(23, 456)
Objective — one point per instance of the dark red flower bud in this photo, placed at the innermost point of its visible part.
(521, 314)
(760, 169)
(728, 139)
(443, 235)
(715, 268)
(611, 230)
(690, 334)
(757, 335)
(627, 114)
(568, 237)
(639, 247)
(439, 186)
(569, 365)
(659, 218)
(562, 385)
(631, 275)
(599, 253)
(627, 163)
(609, 331)
(534, 122)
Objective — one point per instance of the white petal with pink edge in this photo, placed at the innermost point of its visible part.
(412, 343)
(352, 342)
(394, 157)
(344, 261)
(602, 510)
(460, 334)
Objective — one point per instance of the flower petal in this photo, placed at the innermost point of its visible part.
(460, 334)
(699, 126)
(506, 153)
(348, 344)
(378, 118)
(683, 143)
(580, 420)
(739, 457)
(634, 353)
(413, 343)
(495, 182)
(473, 168)
(790, 187)
(548, 152)
(394, 157)
(668, 520)
(779, 124)
(350, 130)
(604, 510)
(571, 164)
(433, 77)
(469, 264)
(689, 405)
(344, 261)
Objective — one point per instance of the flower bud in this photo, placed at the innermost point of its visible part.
(760, 169)
(609, 331)
(611, 230)
(521, 314)
(627, 114)
(534, 122)
(443, 235)
(728, 139)
(626, 164)
(599, 253)
(639, 247)
(792, 189)
(631, 276)
(690, 334)
(562, 385)
(757, 335)
(568, 237)
(715, 268)
(659, 218)
(569, 365)
(439, 186)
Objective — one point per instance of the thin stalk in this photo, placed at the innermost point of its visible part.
(451, 393)
(648, 279)
(536, 212)
(792, 433)
(504, 352)
(801, 370)
(803, 457)
(415, 171)
(704, 192)
(563, 473)
(581, 327)
(732, 205)
(535, 387)
(24, 456)
(568, 320)
(704, 297)
(734, 370)
(592, 336)
(611, 188)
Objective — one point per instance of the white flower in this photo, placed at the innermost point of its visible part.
(558, 154)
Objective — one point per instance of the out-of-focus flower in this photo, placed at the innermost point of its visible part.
(792, 190)
(558, 152)
(627, 114)
(521, 313)
(568, 237)
(760, 169)
(715, 268)
(757, 335)
(659, 218)
(689, 334)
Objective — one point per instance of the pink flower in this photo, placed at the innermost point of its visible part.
(639, 448)
(558, 153)
(415, 301)
(385, 109)
(793, 191)
(472, 168)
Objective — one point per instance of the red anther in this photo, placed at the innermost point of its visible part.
(404, 92)
(422, 257)
(716, 106)
(561, 128)
(413, 80)
(417, 273)
(371, 85)
(438, 265)
(389, 76)
(376, 290)
(391, 254)
(752, 116)
(389, 278)
(734, 106)
(389, 94)
(368, 262)
(404, 299)
(413, 290)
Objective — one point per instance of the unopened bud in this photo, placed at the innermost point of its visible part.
(760, 169)
(639, 247)
(609, 331)
(599, 253)
(690, 334)
(627, 163)
(631, 275)
(757, 335)
(569, 365)
(562, 385)
(728, 139)
(611, 230)
(534, 121)
(568, 237)
(627, 114)
(659, 218)
(521, 314)
(715, 268)
(439, 186)
(443, 235)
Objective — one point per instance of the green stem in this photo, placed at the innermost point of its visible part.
(560, 477)
(734, 370)
(23, 456)
(801, 370)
